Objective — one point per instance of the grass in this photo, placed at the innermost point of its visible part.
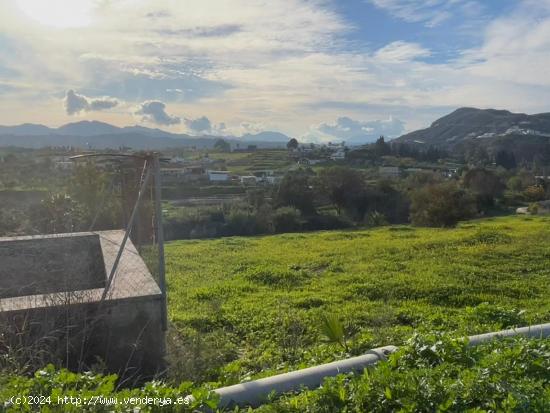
(265, 298)
(249, 307)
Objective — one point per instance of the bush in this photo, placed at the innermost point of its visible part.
(533, 208)
(242, 223)
(286, 219)
(326, 222)
(375, 219)
(534, 193)
(441, 205)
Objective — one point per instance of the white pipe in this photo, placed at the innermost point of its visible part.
(254, 393)
(536, 331)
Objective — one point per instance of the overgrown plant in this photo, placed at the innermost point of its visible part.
(333, 330)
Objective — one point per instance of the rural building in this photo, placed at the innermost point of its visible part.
(338, 155)
(389, 171)
(248, 180)
(218, 176)
(51, 289)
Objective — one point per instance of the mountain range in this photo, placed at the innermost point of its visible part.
(489, 127)
(100, 135)
(495, 129)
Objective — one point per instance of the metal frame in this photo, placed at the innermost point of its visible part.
(151, 166)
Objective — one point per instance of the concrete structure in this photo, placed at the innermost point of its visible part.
(389, 171)
(51, 286)
(218, 176)
(248, 180)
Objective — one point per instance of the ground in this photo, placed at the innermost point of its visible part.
(258, 302)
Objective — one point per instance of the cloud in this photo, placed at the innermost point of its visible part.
(293, 64)
(75, 103)
(154, 111)
(198, 31)
(199, 126)
(355, 131)
(431, 13)
(401, 51)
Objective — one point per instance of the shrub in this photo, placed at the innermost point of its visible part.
(375, 219)
(533, 208)
(286, 219)
(441, 205)
(534, 193)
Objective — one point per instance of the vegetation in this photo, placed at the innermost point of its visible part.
(436, 373)
(53, 390)
(264, 305)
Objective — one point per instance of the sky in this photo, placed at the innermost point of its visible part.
(317, 70)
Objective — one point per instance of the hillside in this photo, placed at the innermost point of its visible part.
(481, 125)
(256, 304)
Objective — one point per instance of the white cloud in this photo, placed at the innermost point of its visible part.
(154, 111)
(401, 51)
(428, 12)
(75, 103)
(355, 131)
(282, 67)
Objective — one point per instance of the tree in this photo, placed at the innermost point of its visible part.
(505, 159)
(292, 144)
(57, 213)
(441, 205)
(222, 145)
(295, 190)
(475, 154)
(485, 185)
(341, 185)
(286, 219)
(381, 148)
(535, 193)
(90, 188)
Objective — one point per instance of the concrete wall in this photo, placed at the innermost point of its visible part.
(53, 312)
(47, 265)
(125, 336)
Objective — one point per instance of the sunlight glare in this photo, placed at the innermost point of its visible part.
(58, 13)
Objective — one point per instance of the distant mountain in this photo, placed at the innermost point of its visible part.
(100, 135)
(266, 137)
(466, 125)
(87, 128)
(29, 129)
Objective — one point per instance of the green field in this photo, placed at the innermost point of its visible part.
(255, 305)
(249, 307)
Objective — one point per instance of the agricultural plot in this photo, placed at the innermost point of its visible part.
(243, 308)
(276, 160)
(257, 306)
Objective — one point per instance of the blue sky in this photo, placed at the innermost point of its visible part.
(443, 27)
(314, 69)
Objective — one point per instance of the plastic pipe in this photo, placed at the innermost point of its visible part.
(255, 393)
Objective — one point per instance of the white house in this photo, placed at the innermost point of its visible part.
(389, 171)
(248, 180)
(218, 176)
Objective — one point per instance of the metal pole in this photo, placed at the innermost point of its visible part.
(160, 240)
(128, 230)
